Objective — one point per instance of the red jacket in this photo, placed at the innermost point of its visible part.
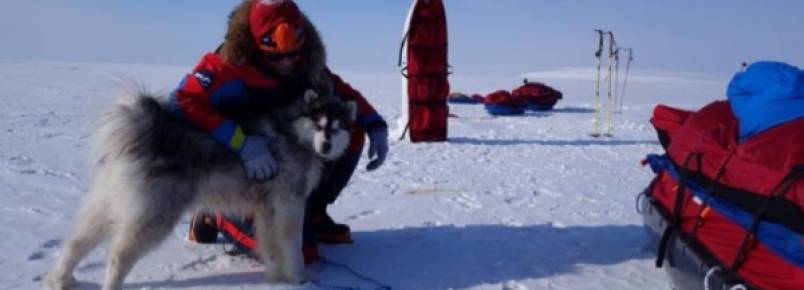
(214, 86)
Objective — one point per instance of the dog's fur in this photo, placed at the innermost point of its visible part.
(152, 168)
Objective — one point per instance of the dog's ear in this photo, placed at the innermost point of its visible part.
(310, 96)
(352, 105)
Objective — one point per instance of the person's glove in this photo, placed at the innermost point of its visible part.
(257, 159)
(378, 147)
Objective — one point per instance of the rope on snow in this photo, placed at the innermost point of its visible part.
(326, 262)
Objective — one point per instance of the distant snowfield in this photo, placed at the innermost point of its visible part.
(528, 202)
(635, 76)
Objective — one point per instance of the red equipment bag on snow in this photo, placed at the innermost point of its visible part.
(739, 205)
(538, 96)
(426, 72)
(503, 97)
(667, 121)
(503, 103)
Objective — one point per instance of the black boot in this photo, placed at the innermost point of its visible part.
(320, 225)
(325, 230)
(309, 246)
(203, 229)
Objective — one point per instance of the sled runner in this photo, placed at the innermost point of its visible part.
(690, 264)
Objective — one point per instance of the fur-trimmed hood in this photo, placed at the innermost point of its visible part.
(239, 47)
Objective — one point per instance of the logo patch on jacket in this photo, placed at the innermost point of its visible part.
(204, 77)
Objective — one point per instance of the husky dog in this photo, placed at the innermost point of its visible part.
(152, 168)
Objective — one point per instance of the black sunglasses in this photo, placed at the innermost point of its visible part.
(281, 56)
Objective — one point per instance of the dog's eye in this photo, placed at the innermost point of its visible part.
(320, 123)
(336, 125)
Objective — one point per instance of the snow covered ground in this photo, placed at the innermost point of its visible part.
(528, 202)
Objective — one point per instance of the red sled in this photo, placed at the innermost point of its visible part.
(537, 96)
(503, 103)
(426, 71)
(725, 213)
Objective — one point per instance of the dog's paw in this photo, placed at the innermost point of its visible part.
(273, 277)
(288, 278)
(60, 282)
(298, 278)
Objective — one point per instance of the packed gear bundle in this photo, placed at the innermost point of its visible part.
(725, 207)
(533, 96)
(503, 103)
(461, 98)
(423, 58)
(537, 96)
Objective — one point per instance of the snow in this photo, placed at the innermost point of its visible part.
(528, 202)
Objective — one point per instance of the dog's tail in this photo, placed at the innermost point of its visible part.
(141, 127)
(124, 125)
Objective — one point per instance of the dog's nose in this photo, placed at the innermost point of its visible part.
(325, 147)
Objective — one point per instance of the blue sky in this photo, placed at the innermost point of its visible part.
(486, 36)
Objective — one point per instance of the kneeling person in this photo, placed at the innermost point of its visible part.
(271, 54)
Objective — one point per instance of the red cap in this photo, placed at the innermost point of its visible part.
(276, 25)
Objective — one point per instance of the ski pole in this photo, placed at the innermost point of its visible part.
(625, 80)
(616, 76)
(612, 44)
(596, 103)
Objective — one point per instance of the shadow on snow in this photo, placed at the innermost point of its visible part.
(445, 257)
(573, 110)
(579, 142)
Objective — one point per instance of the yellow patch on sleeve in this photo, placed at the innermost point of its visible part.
(237, 138)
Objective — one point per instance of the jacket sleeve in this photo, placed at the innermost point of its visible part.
(200, 94)
(367, 117)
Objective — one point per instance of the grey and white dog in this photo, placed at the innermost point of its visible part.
(152, 168)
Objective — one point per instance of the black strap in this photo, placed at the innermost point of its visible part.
(779, 192)
(678, 206)
(405, 131)
(712, 191)
(402, 47)
(781, 211)
(433, 75)
(429, 103)
(428, 48)
(664, 243)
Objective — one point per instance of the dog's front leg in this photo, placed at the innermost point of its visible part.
(287, 224)
(267, 248)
